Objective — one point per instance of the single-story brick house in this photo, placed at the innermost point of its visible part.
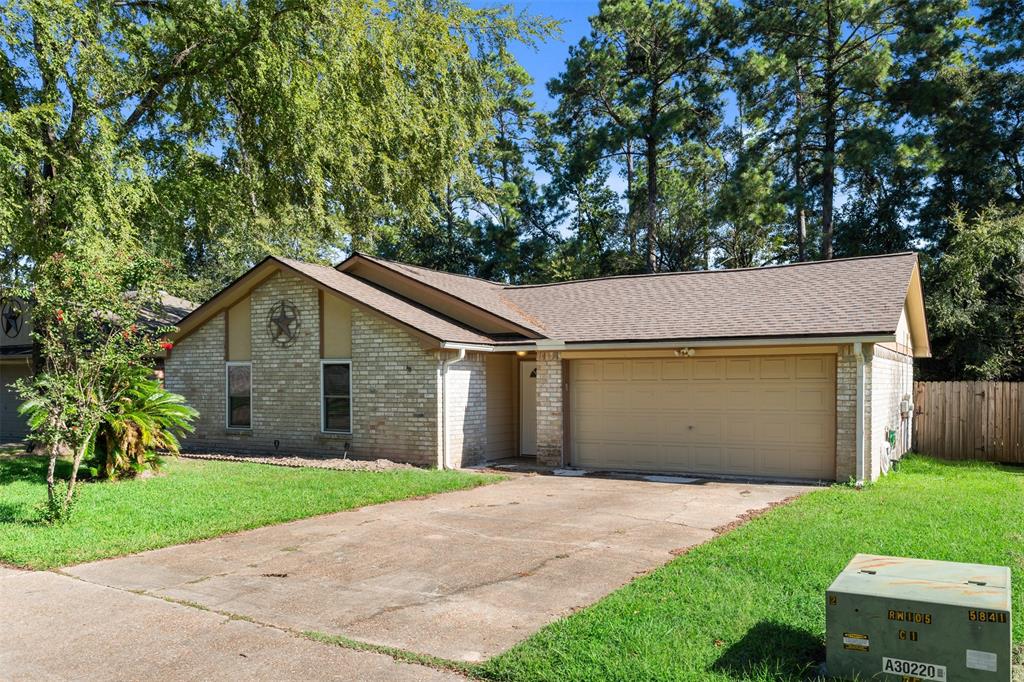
(799, 371)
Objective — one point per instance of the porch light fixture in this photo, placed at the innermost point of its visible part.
(685, 352)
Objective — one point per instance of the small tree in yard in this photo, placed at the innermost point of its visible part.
(92, 350)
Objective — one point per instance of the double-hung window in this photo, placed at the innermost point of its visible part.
(336, 396)
(239, 394)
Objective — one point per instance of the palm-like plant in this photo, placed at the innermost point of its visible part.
(144, 420)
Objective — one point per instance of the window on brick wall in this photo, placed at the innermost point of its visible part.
(239, 393)
(336, 396)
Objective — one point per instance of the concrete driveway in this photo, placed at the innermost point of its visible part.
(462, 575)
(60, 628)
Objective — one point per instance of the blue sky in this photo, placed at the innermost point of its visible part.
(546, 60)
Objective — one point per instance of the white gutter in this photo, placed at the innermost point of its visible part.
(858, 350)
(710, 343)
(445, 364)
(480, 347)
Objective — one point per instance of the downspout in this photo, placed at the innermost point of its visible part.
(858, 350)
(445, 364)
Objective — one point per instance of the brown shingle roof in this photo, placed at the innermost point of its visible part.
(411, 314)
(847, 297)
(482, 293)
(844, 297)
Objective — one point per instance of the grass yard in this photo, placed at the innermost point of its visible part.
(750, 604)
(194, 500)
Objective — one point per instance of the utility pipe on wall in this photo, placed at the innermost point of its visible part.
(445, 364)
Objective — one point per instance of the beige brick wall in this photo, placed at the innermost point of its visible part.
(888, 376)
(466, 384)
(549, 408)
(395, 393)
(394, 385)
(892, 378)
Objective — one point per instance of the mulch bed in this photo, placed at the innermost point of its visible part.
(337, 463)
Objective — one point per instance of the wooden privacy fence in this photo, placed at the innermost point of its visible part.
(970, 420)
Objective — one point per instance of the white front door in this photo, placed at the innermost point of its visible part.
(528, 408)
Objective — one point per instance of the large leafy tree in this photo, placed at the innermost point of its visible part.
(976, 299)
(644, 86)
(497, 222)
(216, 131)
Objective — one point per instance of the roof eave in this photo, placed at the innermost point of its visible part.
(725, 342)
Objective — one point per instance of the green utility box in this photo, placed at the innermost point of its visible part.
(888, 618)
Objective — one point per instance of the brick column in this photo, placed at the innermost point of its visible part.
(846, 415)
(549, 408)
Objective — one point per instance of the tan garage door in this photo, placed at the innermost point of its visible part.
(750, 416)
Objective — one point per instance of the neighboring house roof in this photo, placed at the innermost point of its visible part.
(168, 311)
(854, 297)
(845, 297)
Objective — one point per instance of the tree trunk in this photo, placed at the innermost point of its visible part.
(828, 161)
(79, 454)
(652, 204)
(54, 451)
(798, 169)
(630, 208)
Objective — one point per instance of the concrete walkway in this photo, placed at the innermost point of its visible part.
(59, 628)
(462, 575)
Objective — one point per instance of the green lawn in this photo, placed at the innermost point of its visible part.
(750, 604)
(194, 500)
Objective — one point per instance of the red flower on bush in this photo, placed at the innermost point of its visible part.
(166, 345)
(60, 315)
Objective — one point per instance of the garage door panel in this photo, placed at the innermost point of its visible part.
(586, 370)
(615, 370)
(706, 428)
(741, 458)
(815, 367)
(708, 458)
(743, 398)
(772, 430)
(775, 368)
(709, 396)
(754, 416)
(775, 461)
(645, 395)
(812, 432)
(740, 428)
(741, 368)
(807, 460)
(705, 368)
(820, 399)
(675, 370)
(616, 396)
(676, 456)
(645, 370)
(777, 397)
(678, 397)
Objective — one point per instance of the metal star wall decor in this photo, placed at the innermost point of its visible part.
(12, 317)
(283, 323)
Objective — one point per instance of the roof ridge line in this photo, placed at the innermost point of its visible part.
(775, 266)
